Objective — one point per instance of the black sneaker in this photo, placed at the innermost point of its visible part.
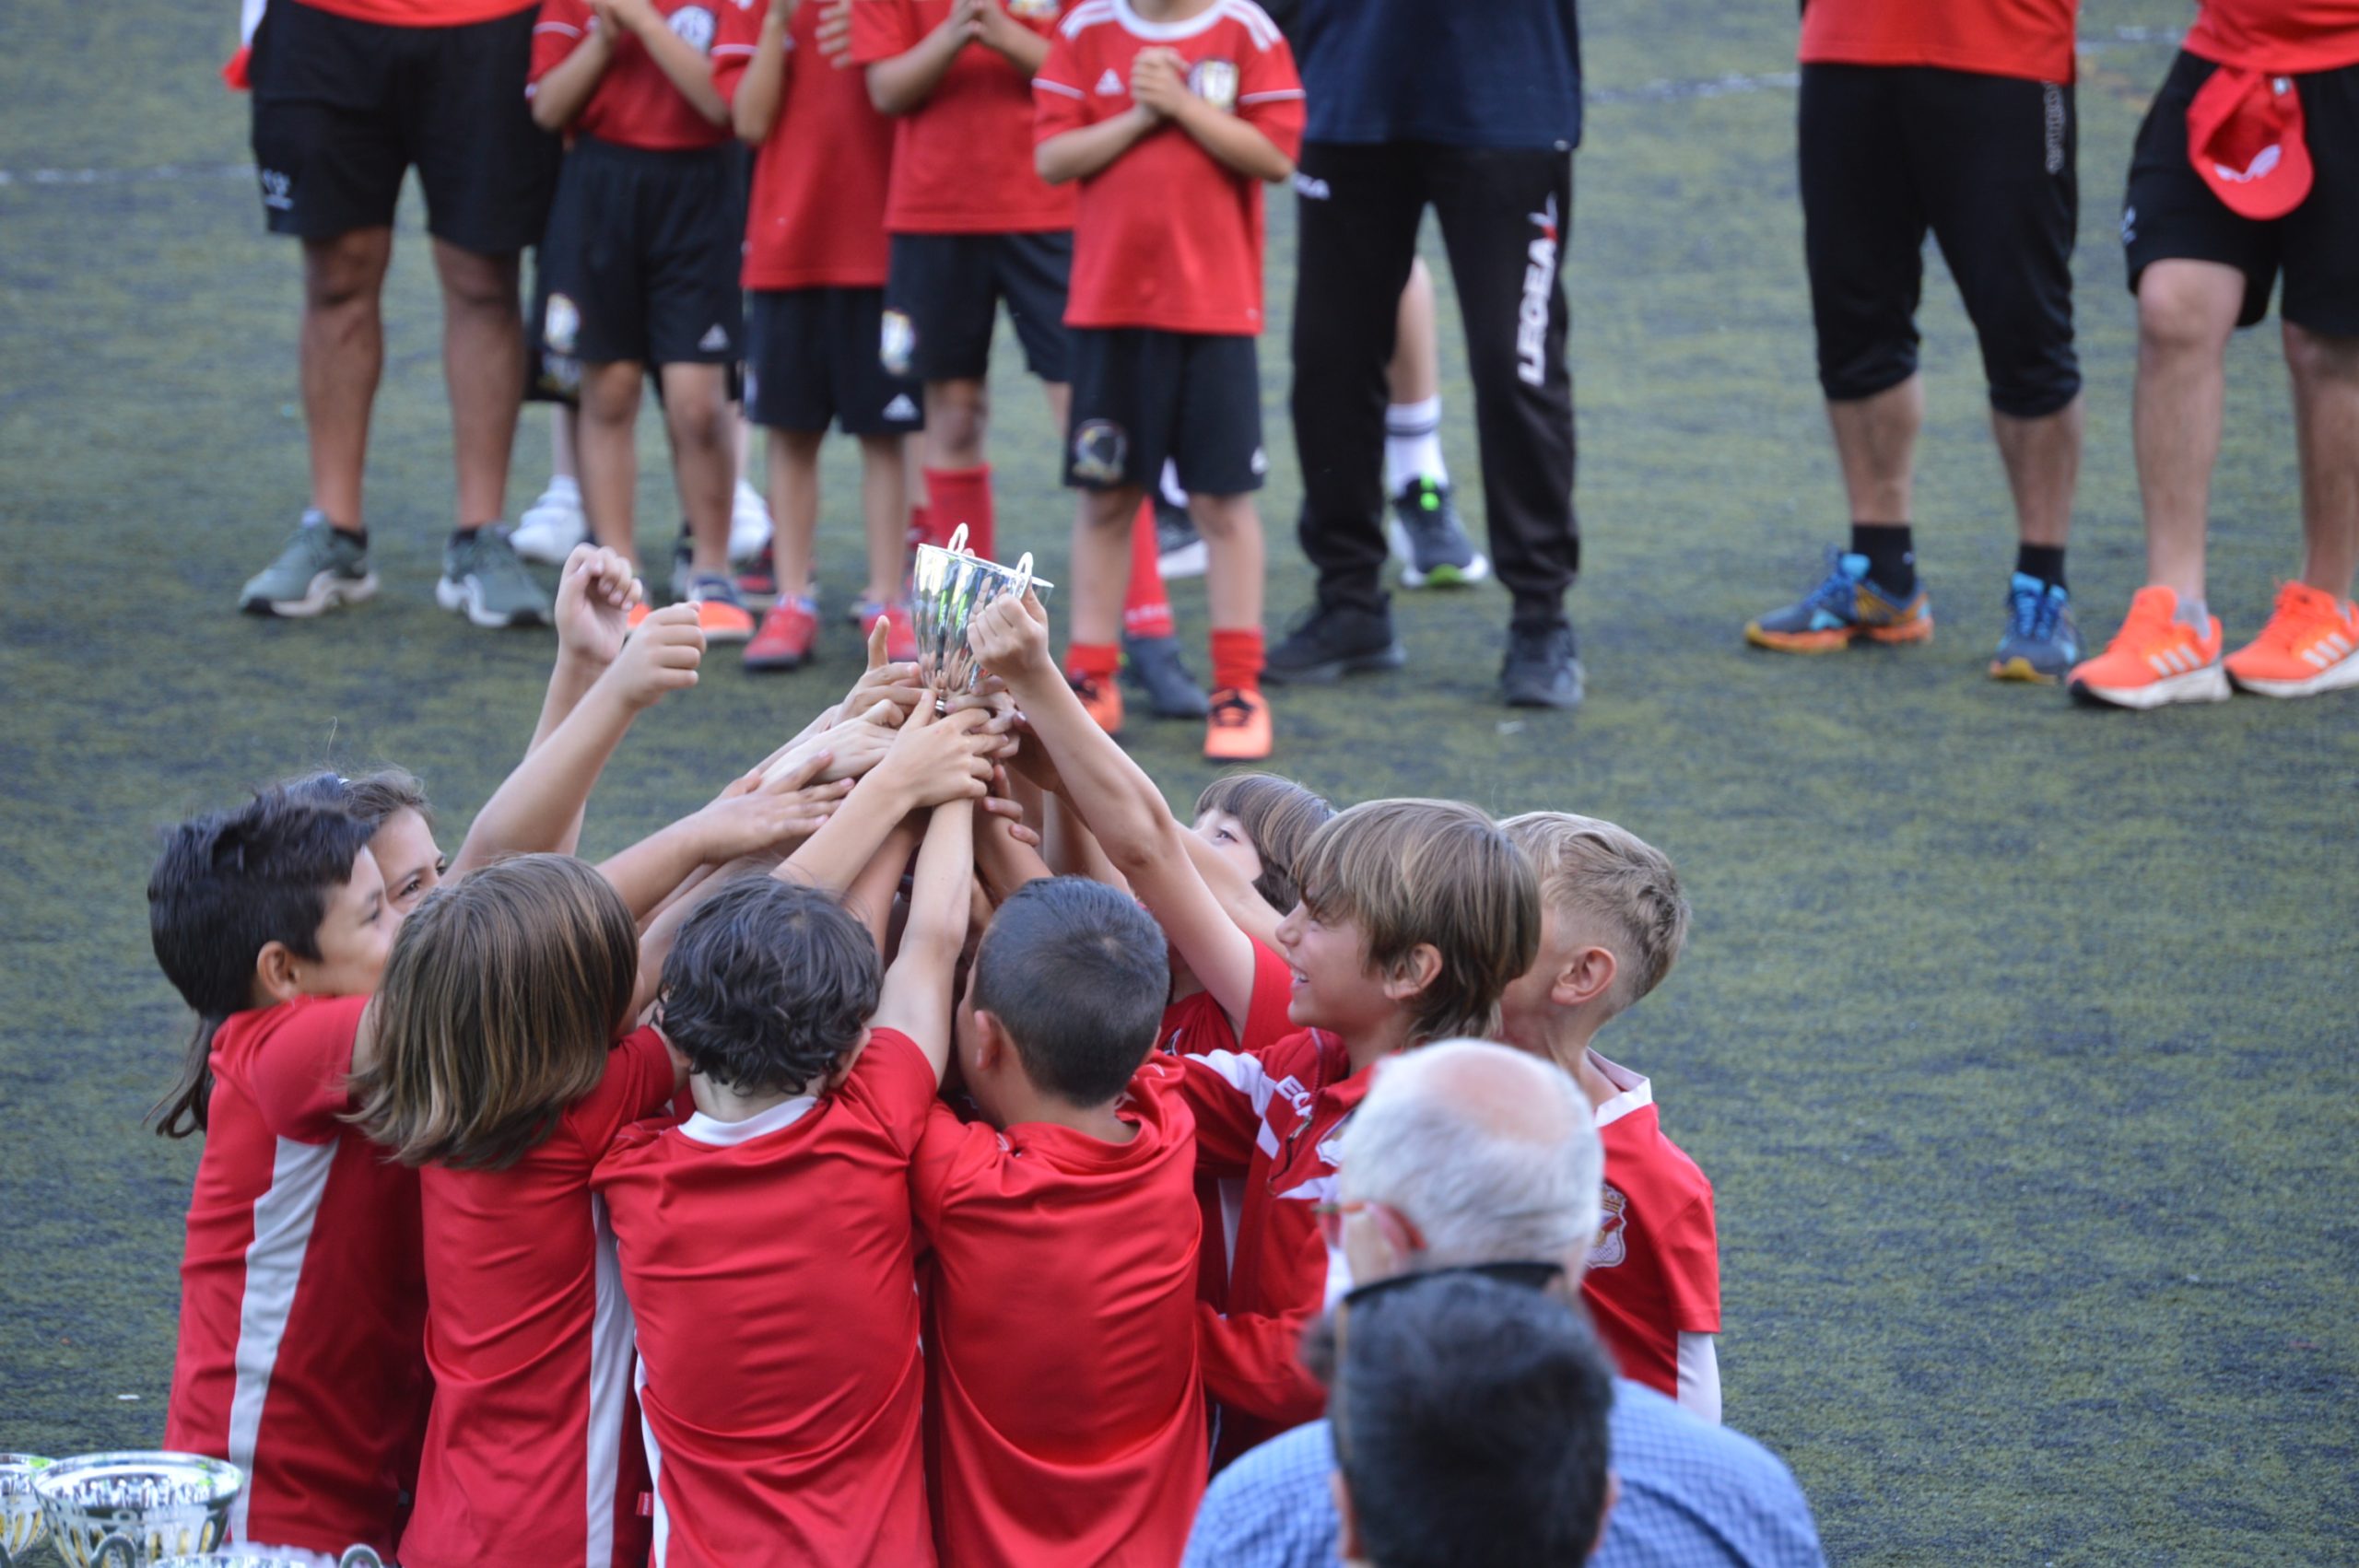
(1430, 541)
(1542, 668)
(1179, 548)
(1151, 664)
(1326, 644)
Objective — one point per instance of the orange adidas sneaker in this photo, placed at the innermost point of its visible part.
(2310, 645)
(2154, 658)
(1239, 730)
(1102, 699)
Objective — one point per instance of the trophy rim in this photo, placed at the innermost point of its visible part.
(223, 1480)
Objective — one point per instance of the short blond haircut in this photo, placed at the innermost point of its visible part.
(1615, 884)
(1410, 873)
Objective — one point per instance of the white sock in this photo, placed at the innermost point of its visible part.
(563, 486)
(1413, 445)
(1172, 494)
(2194, 614)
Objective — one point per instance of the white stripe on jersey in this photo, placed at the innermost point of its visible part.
(1271, 97)
(611, 1354)
(662, 1532)
(1086, 15)
(1256, 21)
(1044, 84)
(283, 1219)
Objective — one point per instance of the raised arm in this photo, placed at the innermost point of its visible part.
(916, 996)
(753, 814)
(931, 760)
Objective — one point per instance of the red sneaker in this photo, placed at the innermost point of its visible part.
(786, 636)
(2310, 645)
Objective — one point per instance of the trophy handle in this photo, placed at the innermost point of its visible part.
(1023, 577)
(114, 1547)
(958, 545)
(360, 1557)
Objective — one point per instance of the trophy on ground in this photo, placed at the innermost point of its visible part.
(20, 1524)
(948, 586)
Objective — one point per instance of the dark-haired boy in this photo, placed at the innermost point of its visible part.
(1063, 1226)
(765, 1241)
(301, 1355)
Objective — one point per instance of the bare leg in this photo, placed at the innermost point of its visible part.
(1101, 562)
(483, 365)
(1232, 529)
(1414, 373)
(885, 507)
(1875, 441)
(2187, 312)
(1060, 396)
(795, 506)
(343, 353)
(696, 410)
(607, 447)
(2043, 459)
(956, 415)
(562, 465)
(2326, 422)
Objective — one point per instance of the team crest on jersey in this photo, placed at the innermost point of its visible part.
(560, 324)
(1215, 81)
(695, 24)
(1609, 1248)
(1033, 10)
(1099, 448)
(897, 341)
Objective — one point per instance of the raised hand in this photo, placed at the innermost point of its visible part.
(594, 594)
(756, 813)
(660, 656)
(883, 678)
(933, 759)
(1011, 637)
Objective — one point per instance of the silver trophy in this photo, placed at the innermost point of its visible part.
(20, 1524)
(354, 1557)
(134, 1509)
(948, 586)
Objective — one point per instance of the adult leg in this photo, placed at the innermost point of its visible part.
(2043, 461)
(2187, 311)
(607, 447)
(2325, 374)
(483, 365)
(343, 353)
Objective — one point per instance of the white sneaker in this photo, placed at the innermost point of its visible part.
(551, 526)
(749, 523)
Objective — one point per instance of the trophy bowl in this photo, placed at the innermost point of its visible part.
(948, 586)
(134, 1508)
(20, 1524)
(271, 1557)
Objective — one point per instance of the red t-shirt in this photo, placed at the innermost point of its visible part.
(2290, 36)
(769, 1264)
(1165, 237)
(301, 1355)
(635, 104)
(817, 217)
(1065, 1419)
(2031, 39)
(1654, 1274)
(962, 162)
(533, 1455)
(419, 14)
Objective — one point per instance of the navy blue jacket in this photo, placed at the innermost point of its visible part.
(1464, 73)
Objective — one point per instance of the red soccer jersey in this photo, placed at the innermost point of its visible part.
(817, 217)
(2032, 38)
(1064, 1262)
(419, 13)
(533, 1455)
(769, 1264)
(634, 104)
(302, 1358)
(2293, 36)
(962, 163)
(1166, 237)
(1655, 1271)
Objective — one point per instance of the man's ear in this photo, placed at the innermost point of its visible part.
(1585, 977)
(1347, 1523)
(1421, 968)
(276, 974)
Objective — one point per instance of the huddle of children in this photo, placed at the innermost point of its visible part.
(825, 1179)
(916, 163)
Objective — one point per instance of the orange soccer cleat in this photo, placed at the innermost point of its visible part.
(1101, 697)
(2310, 645)
(1239, 730)
(2154, 658)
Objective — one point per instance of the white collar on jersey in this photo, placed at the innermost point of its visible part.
(1635, 1091)
(1164, 32)
(702, 1129)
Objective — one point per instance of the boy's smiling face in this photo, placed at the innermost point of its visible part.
(1333, 988)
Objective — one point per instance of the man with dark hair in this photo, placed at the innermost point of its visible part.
(1470, 1424)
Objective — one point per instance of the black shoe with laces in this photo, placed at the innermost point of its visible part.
(1542, 669)
(1152, 665)
(1327, 643)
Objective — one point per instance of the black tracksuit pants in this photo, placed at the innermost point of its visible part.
(1504, 214)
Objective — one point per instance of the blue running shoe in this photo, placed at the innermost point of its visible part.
(1841, 610)
(2040, 642)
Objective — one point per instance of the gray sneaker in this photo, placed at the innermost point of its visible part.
(482, 579)
(318, 570)
(1430, 541)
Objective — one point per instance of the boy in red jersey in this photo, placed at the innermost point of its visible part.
(766, 1242)
(1612, 922)
(639, 263)
(1170, 113)
(1063, 1234)
(302, 1295)
(972, 224)
(815, 260)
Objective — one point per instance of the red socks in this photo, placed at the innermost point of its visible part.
(1237, 659)
(1146, 609)
(961, 495)
(1096, 661)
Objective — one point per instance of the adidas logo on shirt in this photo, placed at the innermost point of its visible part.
(714, 339)
(900, 408)
(1109, 84)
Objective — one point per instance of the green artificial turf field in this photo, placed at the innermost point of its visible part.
(2011, 1035)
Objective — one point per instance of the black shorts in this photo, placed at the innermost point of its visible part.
(343, 108)
(2169, 213)
(944, 299)
(1987, 163)
(1141, 395)
(811, 361)
(641, 257)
